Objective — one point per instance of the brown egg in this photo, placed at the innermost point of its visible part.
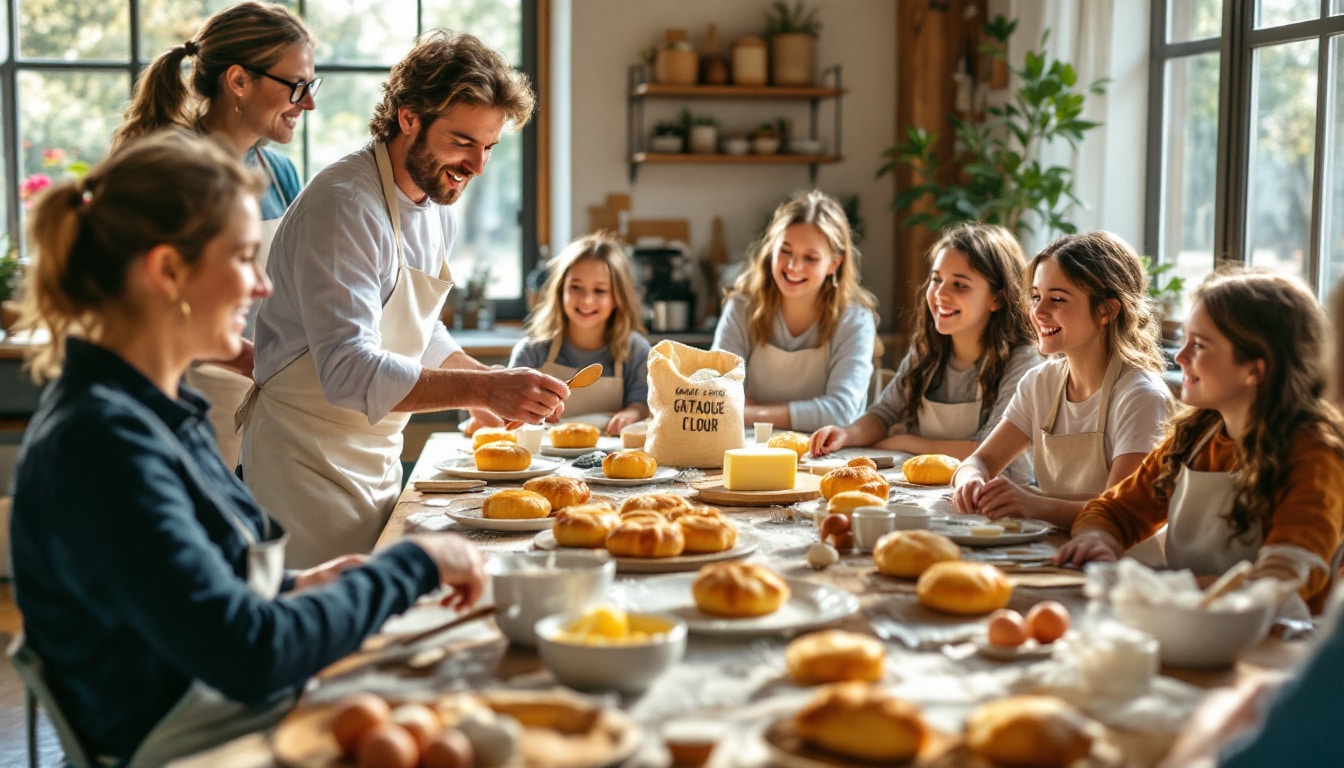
(387, 745)
(419, 720)
(833, 524)
(357, 715)
(1048, 621)
(1006, 627)
(450, 749)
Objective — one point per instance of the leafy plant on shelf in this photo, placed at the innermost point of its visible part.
(1002, 179)
(669, 129)
(1164, 287)
(783, 19)
(10, 268)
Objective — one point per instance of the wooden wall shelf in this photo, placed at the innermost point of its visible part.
(654, 90)
(686, 158)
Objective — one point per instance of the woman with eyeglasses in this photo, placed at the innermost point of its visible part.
(251, 79)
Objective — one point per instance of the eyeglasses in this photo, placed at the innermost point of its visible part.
(297, 89)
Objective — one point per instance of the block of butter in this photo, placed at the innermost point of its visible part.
(759, 469)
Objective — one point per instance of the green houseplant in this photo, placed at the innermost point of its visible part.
(1002, 179)
(792, 32)
(1167, 289)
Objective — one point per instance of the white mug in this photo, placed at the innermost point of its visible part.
(910, 517)
(870, 524)
(529, 437)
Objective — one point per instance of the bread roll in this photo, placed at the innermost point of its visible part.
(930, 469)
(491, 435)
(646, 536)
(707, 533)
(861, 721)
(560, 491)
(964, 588)
(863, 479)
(676, 513)
(1037, 731)
(834, 656)
(499, 456)
(790, 440)
(739, 590)
(574, 435)
(846, 502)
(862, 461)
(908, 554)
(629, 465)
(662, 503)
(516, 504)
(585, 525)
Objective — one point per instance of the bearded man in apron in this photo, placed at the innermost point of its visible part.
(350, 343)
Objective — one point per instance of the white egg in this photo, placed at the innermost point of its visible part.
(820, 556)
(494, 737)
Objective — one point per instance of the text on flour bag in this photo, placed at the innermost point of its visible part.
(696, 399)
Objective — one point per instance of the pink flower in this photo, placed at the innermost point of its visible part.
(52, 157)
(33, 184)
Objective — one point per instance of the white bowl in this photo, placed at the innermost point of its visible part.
(735, 145)
(624, 668)
(806, 146)
(531, 585)
(667, 144)
(765, 145)
(910, 517)
(1188, 637)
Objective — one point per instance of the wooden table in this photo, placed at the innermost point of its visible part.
(740, 679)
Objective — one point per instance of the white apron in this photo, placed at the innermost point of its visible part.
(1197, 530)
(1075, 465)
(328, 476)
(949, 421)
(605, 396)
(775, 376)
(223, 387)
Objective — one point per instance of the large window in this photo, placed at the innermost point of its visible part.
(1247, 148)
(68, 68)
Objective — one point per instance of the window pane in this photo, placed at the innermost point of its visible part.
(1332, 239)
(499, 23)
(61, 29)
(1194, 20)
(1283, 145)
(166, 23)
(361, 31)
(1276, 13)
(489, 237)
(340, 124)
(1190, 163)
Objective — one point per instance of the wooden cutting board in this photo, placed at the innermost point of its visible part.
(805, 488)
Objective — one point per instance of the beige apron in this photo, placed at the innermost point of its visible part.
(340, 477)
(949, 421)
(775, 376)
(1076, 464)
(1197, 531)
(605, 396)
(223, 387)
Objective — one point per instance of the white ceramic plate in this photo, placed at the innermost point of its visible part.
(471, 518)
(660, 475)
(746, 544)
(958, 529)
(571, 453)
(809, 605)
(466, 467)
(1028, 650)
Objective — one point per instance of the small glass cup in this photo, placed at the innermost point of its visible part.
(763, 431)
(529, 437)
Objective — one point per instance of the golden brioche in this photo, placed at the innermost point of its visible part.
(834, 656)
(585, 525)
(516, 504)
(739, 590)
(491, 435)
(1037, 731)
(963, 587)
(861, 721)
(499, 456)
(560, 491)
(790, 440)
(707, 533)
(908, 554)
(574, 435)
(863, 479)
(676, 513)
(646, 536)
(862, 461)
(845, 502)
(662, 503)
(629, 465)
(930, 469)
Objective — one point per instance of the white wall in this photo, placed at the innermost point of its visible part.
(606, 37)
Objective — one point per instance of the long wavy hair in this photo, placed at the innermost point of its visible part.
(757, 282)
(1276, 320)
(997, 257)
(1105, 267)
(548, 320)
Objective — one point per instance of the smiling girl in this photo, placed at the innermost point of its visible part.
(589, 313)
(800, 319)
(1092, 412)
(971, 345)
(1254, 470)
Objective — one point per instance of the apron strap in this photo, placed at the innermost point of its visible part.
(1049, 426)
(555, 350)
(270, 174)
(384, 162)
(1107, 385)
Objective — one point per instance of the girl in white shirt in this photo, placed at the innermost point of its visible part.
(1091, 413)
(971, 345)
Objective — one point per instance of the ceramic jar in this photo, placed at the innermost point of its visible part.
(749, 59)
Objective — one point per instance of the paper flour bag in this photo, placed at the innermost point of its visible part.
(696, 398)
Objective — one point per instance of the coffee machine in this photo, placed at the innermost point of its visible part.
(663, 276)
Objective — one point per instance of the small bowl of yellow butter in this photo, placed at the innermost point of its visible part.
(606, 648)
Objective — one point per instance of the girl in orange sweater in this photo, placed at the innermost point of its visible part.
(1254, 469)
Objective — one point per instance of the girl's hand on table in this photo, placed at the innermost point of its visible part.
(327, 572)
(1002, 497)
(826, 440)
(460, 566)
(963, 498)
(622, 419)
(1088, 547)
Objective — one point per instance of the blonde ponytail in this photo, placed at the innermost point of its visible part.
(53, 298)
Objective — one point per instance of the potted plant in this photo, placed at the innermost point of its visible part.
(792, 32)
(1167, 289)
(668, 138)
(703, 137)
(11, 271)
(766, 139)
(1002, 179)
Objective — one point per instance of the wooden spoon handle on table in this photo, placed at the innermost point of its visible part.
(586, 375)
(1230, 580)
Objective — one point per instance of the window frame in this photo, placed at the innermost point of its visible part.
(532, 65)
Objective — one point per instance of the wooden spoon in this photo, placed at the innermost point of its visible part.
(585, 376)
(1230, 580)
